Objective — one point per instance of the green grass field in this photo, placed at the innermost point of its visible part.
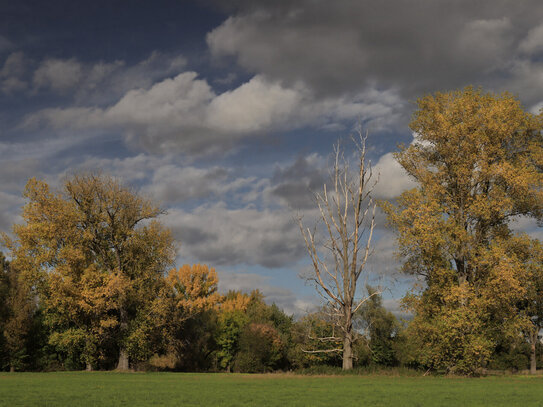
(180, 389)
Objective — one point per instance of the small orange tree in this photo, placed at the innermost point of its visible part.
(192, 289)
(188, 292)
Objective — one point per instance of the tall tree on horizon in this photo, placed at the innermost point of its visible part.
(477, 160)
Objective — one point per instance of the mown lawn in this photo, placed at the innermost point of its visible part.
(180, 389)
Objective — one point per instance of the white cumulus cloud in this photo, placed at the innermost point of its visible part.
(184, 114)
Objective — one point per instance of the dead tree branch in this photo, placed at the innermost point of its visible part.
(347, 212)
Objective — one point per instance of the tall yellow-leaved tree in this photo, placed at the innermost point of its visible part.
(97, 266)
(477, 160)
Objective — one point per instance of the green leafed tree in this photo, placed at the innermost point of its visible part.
(380, 328)
(529, 253)
(232, 319)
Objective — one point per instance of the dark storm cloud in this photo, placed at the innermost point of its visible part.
(5, 44)
(415, 46)
(104, 29)
(96, 83)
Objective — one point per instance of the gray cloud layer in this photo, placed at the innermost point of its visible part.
(337, 47)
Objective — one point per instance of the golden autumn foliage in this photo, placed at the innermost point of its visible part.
(96, 268)
(477, 160)
(94, 257)
(234, 301)
(193, 288)
(187, 294)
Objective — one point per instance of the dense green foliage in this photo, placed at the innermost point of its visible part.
(174, 389)
(382, 329)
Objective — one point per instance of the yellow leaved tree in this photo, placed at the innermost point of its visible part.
(188, 298)
(477, 160)
(96, 255)
(193, 288)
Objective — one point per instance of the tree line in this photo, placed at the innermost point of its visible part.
(89, 283)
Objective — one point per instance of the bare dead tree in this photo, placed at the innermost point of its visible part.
(348, 214)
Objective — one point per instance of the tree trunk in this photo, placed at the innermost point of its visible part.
(123, 354)
(348, 351)
(123, 360)
(12, 369)
(88, 368)
(533, 359)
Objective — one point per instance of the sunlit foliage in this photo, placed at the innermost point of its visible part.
(477, 159)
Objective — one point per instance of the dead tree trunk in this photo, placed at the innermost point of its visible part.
(348, 215)
(348, 351)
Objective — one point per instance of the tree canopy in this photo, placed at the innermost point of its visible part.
(95, 265)
(477, 160)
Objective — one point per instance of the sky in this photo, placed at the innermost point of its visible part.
(225, 112)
